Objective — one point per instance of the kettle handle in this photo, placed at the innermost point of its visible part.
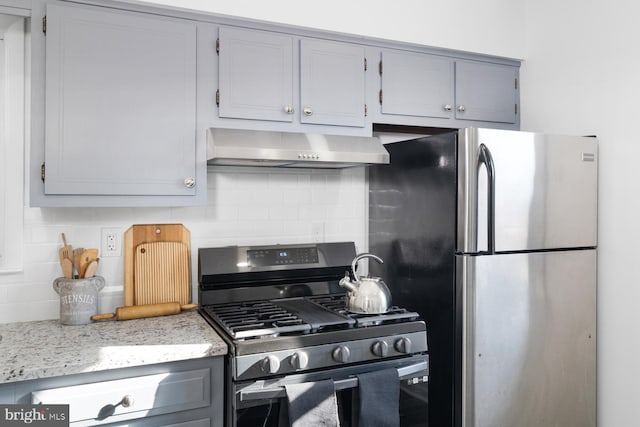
(354, 263)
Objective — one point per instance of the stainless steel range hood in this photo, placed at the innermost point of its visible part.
(295, 150)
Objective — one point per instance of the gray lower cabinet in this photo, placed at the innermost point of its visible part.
(187, 394)
(119, 107)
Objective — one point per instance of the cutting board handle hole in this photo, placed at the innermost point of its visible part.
(158, 231)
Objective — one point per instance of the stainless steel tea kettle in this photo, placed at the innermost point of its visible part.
(367, 295)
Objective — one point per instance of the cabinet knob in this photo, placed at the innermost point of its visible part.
(447, 107)
(307, 111)
(461, 108)
(189, 182)
(288, 109)
(126, 401)
(108, 410)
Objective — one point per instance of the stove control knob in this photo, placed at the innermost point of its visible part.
(341, 354)
(403, 345)
(380, 348)
(270, 364)
(299, 360)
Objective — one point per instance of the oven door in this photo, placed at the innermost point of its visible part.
(257, 403)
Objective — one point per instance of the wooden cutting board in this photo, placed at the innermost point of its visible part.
(157, 264)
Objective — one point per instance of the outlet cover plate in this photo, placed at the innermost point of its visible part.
(111, 242)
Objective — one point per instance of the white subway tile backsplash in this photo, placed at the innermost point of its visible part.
(312, 212)
(28, 311)
(245, 206)
(296, 197)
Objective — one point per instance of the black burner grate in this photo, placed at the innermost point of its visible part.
(290, 316)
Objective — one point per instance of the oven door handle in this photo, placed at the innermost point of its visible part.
(351, 382)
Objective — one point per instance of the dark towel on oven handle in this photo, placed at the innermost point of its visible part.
(379, 398)
(310, 404)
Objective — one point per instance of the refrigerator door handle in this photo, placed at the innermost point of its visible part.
(484, 157)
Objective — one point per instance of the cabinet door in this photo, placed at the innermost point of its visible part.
(332, 85)
(120, 102)
(256, 75)
(416, 84)
(486, 92)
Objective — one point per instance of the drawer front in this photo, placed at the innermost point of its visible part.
(130, 398)
(204, 422)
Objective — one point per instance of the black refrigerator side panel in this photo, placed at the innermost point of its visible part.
(412, 226)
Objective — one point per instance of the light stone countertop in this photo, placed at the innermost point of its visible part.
(42, 349)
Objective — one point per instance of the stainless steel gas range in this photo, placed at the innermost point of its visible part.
(283, 315)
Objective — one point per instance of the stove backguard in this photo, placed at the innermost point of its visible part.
(245, 273)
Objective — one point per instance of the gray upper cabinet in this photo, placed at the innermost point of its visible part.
(120, 103)
(255, 75)
(486, 92)
(114, 109)
(264, 76)
(332, 83)
(415, 84)
(425, 89)
(122, 94)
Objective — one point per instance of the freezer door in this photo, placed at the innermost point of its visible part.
(528, 340)
(520, 191)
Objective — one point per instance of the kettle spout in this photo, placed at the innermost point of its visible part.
(346, 282)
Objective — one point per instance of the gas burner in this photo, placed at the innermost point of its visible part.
(288, 316)
(256, 319)
(337, 304)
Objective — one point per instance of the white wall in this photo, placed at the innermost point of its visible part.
(582, 76)
(489, 26)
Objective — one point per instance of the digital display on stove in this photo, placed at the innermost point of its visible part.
(284, 256)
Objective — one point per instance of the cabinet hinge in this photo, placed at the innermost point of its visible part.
(44, 24)
(380, 96)
(42, 172)
(218, 97)
(365, 110)
(516, 83)
(365, 64)
(515, 108)
(380, 67)
(218, 46)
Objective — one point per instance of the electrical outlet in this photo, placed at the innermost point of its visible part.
(111, 242)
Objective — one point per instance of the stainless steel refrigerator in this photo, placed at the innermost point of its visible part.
(491, 236)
